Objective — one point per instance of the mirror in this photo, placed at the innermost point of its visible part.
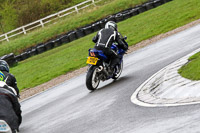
(125, 37)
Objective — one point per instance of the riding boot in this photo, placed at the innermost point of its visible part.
(110, 70)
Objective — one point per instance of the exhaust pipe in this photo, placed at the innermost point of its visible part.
(100, 68)
(103, 70)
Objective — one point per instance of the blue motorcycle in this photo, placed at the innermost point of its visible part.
(99, 66)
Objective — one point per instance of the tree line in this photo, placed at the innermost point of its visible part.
(16, 13)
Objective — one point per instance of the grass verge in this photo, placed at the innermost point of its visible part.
(192, 69)
(69, 23)
(71, 56)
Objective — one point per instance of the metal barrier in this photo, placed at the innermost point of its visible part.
(40, 23)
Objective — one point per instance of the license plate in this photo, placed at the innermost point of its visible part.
(92, 60)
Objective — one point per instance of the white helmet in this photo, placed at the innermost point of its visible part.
(111, 24)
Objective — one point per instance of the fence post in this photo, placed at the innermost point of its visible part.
(58, 15)
(23, 28)
(93, 3)
(6, 36)
(76, 8)
(41, 23)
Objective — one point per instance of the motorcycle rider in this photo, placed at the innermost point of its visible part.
(105, 38)
(10, 109)
(10, 79)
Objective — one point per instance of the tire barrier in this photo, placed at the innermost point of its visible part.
(127, 14)
(119, 17)
(134, 12)
(149, 5)
(64, 39)
(80, 33)
(32, 52)
(18, 58)
(142, 8)
(48, 45)
(96, 26)
(109, 18)
(103, 22)
(40, 49)
(25, 55)
(88, 29)
(83, 31)
(10, 59)
(57, 42)
(72, 36)
(165, 1)
(157, 3)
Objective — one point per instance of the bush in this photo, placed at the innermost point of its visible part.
(16, 13)
(9, 15)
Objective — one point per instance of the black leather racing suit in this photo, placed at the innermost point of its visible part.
(11, 81)
(104, 40)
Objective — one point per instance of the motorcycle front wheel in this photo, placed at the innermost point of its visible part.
(92, 79)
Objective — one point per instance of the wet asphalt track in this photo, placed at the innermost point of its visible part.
(70, 108)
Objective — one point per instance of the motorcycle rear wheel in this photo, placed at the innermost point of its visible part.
(92, 80)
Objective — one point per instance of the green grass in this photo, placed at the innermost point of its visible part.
(50, 64)
(68, 57)
(69, 23)
(192, 69)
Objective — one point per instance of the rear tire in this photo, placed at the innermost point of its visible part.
(92, 81)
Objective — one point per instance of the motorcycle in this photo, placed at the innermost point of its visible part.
(4, 125)
(99, 66)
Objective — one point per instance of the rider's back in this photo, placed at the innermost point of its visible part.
(106, 37)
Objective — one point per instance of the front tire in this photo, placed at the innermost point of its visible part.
(92, 79)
